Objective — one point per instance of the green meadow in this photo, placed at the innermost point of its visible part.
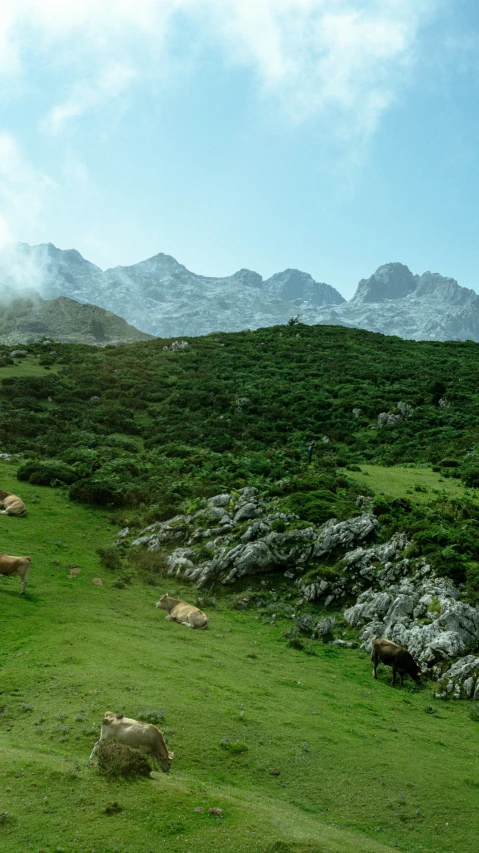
(415, 482)
(363, 767)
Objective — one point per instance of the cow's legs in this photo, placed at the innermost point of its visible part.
(23, 581)
(94, 750)
(394, 675)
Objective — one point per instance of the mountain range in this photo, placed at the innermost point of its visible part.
(163, 298)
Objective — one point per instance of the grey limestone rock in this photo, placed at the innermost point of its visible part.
(421, 612)
(221, 500)
(460, 680)
(246, 511)
(325, 626)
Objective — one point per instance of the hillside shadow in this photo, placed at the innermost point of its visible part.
(27, 596)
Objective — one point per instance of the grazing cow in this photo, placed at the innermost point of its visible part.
(142, 736)
(387, 652)
(16, 566)
(182, 612)
(12, 504)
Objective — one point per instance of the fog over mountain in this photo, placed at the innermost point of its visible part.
(162, 297)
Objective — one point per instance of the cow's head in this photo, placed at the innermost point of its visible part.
(165, 761)
(111, 718)
(418, 674)
(162, 602)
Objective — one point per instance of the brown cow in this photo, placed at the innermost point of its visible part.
(145, 737)
(387, 652)
(16, 566)
(12, 504)
(182, 612)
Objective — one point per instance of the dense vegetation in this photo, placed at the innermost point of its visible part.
(147, 426)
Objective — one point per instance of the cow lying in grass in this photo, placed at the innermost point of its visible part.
(16, 566)
(182, 612)
(145, 737)
(387, 652)
(12, 504)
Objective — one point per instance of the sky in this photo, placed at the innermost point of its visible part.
(331, 136)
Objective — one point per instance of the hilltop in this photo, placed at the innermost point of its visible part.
(29, 318)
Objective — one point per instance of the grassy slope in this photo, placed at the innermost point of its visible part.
(352, 752)
(419, 483)
(26, 367)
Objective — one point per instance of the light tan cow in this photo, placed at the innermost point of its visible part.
(145, 737)
(12, 504)
(16, 566)
(182, 612)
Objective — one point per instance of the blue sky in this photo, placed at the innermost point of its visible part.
(328, 135)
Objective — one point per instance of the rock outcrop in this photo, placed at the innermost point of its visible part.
(246, 536)
(236, 535)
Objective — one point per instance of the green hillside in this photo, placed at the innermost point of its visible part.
(127, 436)
(149, 427)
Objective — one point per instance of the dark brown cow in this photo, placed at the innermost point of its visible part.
(387, 652)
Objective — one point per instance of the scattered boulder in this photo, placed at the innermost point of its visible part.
(403, 410)
(461, 680)
(177, 346)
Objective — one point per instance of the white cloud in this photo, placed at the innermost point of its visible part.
(343, 58)
(23, 191)
(110, 83)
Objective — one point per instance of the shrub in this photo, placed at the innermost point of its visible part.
(150, 562)
(110, 558)
(474, 713)
(235, 747)
(116, 760)
(99, 489)
(47, 472)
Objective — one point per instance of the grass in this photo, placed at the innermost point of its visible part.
(27, 367)
(418, 484)
(362, 766)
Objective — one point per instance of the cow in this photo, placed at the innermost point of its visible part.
(144, 737)
(16, 566)
(387, 652)
(12, 504)
(182, 612)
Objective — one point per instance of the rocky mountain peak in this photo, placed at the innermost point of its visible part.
(390, 281)
(294, 284)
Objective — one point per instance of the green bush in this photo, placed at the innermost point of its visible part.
(47, 473)
(115, 760)
(110, 558)
(100, 488)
